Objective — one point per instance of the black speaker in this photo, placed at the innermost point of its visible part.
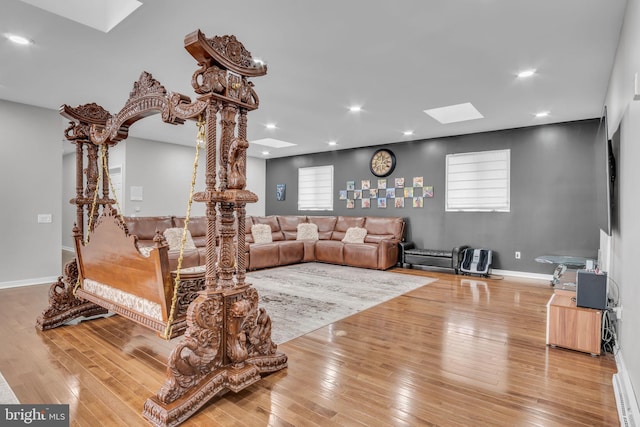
(591, 289)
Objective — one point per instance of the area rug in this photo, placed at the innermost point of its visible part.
(304, 297)
(7, 397)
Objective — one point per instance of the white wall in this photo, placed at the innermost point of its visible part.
(624, 112)
(30, 184)
(164, 172)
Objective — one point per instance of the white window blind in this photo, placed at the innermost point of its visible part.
(315, 188)
(478, 181)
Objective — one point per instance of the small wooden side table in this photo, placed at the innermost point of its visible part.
(573, 327)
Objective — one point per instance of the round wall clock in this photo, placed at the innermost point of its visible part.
(383, 162)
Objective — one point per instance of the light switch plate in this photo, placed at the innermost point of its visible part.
(44, 218)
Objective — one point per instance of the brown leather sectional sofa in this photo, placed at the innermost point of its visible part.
(378, 251)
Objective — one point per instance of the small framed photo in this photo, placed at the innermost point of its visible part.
(342, 194)
(365, 203)
(351, 185)
(382, 202)
(391, 193)
(418, 202)
(366, 184)
(351, 204)
(281, 192)
(418, 181)
(427, 191)
(399, 183)
(373, 193)
(399, 202)
(382, 183)
(408, 192)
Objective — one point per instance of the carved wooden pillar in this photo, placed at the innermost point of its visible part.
(79, 187)
(63, 305)
(210, 183)
(227, 344)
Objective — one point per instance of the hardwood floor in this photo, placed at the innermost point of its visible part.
(460, 351)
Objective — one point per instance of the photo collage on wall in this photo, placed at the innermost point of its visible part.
(386, 192)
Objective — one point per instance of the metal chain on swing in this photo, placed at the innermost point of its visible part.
(200, 139)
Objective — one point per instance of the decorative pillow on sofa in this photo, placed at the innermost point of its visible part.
(261, 233)
(174, 239)
(307, 231)
(355, 235)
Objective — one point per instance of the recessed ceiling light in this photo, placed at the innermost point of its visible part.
(270, 125)
(407, 133)
(355, 108)
(526, 73)
(265, 153)
(455, 113)
(542, 114)
(18, 39)
(332, 143)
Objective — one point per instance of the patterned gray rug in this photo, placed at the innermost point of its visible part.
(7, 397)
(304, 297)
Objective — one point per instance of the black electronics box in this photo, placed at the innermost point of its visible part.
(591, 289)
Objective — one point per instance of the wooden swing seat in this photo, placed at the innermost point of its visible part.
(115, 274)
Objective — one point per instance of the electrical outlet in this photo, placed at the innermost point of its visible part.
(517, 254)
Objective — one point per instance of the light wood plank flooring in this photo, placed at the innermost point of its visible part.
(459, 352)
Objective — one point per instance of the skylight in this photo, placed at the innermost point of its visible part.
(455, 113)
(102, 15)
(273, 143)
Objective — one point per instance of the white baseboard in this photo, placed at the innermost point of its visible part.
(524, 274)
(28, 282)
(626, 400)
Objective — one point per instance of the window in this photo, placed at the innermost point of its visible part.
(315, 188)
(478, 181)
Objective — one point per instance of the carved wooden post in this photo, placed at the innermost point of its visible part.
(63, 305)
(227, 344)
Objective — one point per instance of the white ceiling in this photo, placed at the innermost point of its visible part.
(395, 58)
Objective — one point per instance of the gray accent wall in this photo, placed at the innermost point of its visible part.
(30, 184)
(554, 192)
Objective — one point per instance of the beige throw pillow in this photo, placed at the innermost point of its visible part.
(174, 239)
(307, 231)
(354, 235)
(261, 233)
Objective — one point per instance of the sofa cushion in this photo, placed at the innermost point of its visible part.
(325, 224)
(197, 228)
(247, 229)
(271, 221)
(174, 239)
(354, 235)
(261, 233)
(345, 222)
(289, 225)
(384, 226)
(307, 231)
(365, 256)
(144, 227)
(329, 251)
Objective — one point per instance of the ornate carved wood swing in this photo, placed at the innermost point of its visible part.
(227, 341)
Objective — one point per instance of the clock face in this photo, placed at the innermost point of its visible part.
(383, 162)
